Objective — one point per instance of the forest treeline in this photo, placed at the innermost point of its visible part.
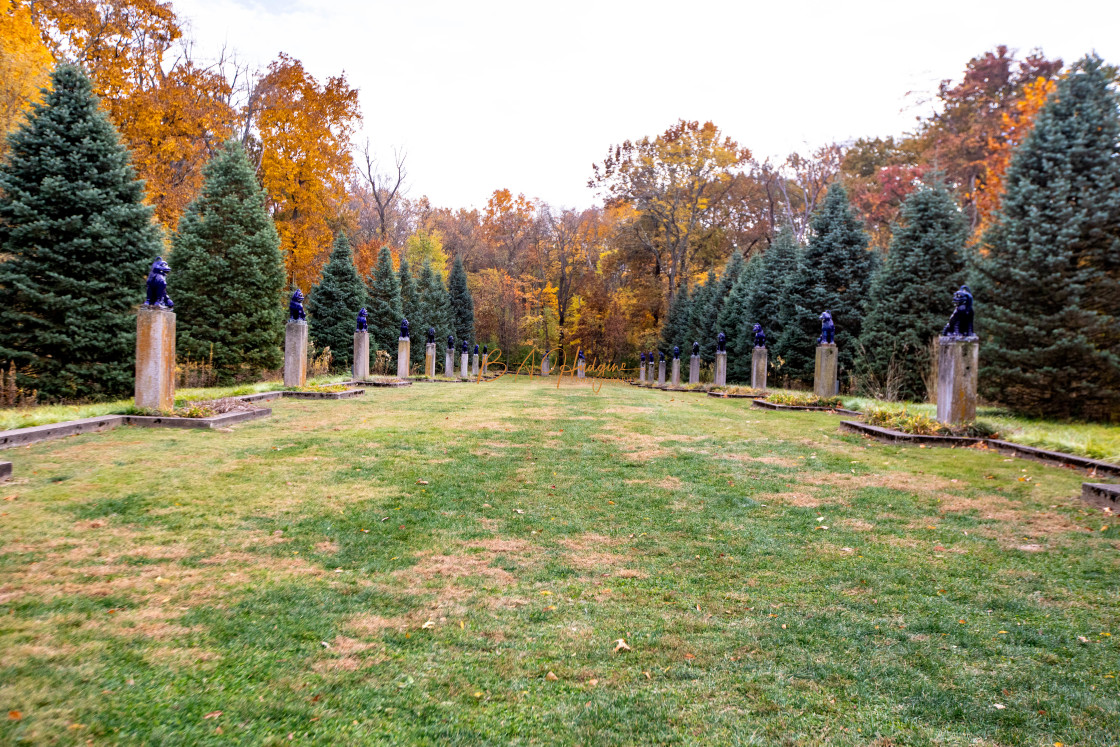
(693, 228)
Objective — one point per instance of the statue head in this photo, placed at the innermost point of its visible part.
(476, 348)
(826, 316)
(362, 324)
(757, 328)
(696, 348)
(297, 296)
(643, 356)
(159, 267)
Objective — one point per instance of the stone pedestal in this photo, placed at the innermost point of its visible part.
(580, 372)
(825, 371)
(463, 373)
(650, 375)
(474, 365)
(449, 365)
(694, 369)
(430, 360)
(957, 364)
(404, 352)
(641, 373)
(361, 355)
(759, 361)
(295, 354)
(155, 358)
(544, 366)
(721, 368)
(485, 364)
(676, 373)
(661, 373)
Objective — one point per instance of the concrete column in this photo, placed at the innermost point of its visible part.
(676, 373)
(404, 351)
(694, 369)
(661, 373)
(958, 362)
(361, 355)
(580, 366)
(463, 365)
(650, 375)
(449, 365)
(474, 365)
(485, 364)
(544, 366)
(430, 360)
(759, 360)
(721, 368)
(155, 358)
(825, 371)
(295, 354)
(641, 373)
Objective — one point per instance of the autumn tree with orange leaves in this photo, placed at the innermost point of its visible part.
(25, 63)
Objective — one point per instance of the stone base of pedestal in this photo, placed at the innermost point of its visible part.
(361, 355)
(759, 362)
(155, 359)
(825, 371)
(430, 360)
(651, 375)
(721, 368)
(676, 380)
(474, 365)
(295, 354)
(641, 373)
(694, 369)
(661, 373)
(957, 364)
(580, 370)
(485, 364)
(404, 353)
(463, 373)
(449, 365)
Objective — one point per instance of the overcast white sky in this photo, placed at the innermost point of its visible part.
(527, 95)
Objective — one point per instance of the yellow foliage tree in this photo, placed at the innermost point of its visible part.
(25, 64)
(427, 246)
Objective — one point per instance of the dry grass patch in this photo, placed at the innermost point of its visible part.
(799, 499)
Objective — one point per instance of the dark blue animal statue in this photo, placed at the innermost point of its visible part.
(828, 330)
(721, 343)
(661, 355)
(157, 285)
(404, 329)
(484, 349)
(643, 357)
(581, 354)
(960, 323)
(431, 335)
(464, 346)
(363, 325)
(451, 342)
(676, 352)
(696, 348)
(476, 348)
(759, 336)
(295, 308)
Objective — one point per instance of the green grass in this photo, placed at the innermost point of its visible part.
(777, 581)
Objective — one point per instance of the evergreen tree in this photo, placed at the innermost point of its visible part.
(726, 281)
(834, 274)
(676, 328)
(79, 241)
(434, 308)
(410, 304)
(700, 321)
(769, 301)
(334, 303)
(385, 314)
(1048, 300)
(910, 297)
(228, 272)
(736, 322)
(462, 305)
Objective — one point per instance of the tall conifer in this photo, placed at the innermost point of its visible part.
(676, 328)
(1048, 300)
(385, 311)
(434, 307)
(410, 304)
(334, 303)
(736, 322)
(79, 241)
(462, 305)
(228, 273)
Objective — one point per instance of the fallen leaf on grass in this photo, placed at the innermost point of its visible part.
(620, 646)
(551, 677)
(15, 715)
(999, 706)
(421, 482)
(518, 511)
(212, 714)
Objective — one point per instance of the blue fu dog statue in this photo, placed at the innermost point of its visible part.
(759, 336)
(295, 307)
(404, 329)
(431, 335)
(157, 285)
(960, 323)
(828, 330)
(362, 323)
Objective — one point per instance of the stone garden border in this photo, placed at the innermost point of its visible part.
(5, 471)
(803, 408)
(1098, 494)
(1057, 458)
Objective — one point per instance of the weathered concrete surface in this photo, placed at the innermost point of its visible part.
(958, 362)
(694, 369)
(721, 368)
(651, 375)
(474, 365)
(295, 354)
(430, 360)
(485, 364)
(449, 365)
(155, 359)
(580, 369)
(825, 371)
(661, 373)
(404, 351)
(759, 364)
(463, 365)
(1099, 494)
(5, 471)
(218, 421)
(641, 373)
(361, 354)
(676, 380)
(544, 366)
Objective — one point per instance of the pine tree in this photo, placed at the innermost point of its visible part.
(434, 308)
(385, 312)
(676, 328)
(834, 274)
(79, 241)
(700, 321)
(462, 305)
(726, 281)
(736, 322)
(410, 303)
(334, 303)
(228, 272)
(911, 295)
(1048, 296)
(770, 300)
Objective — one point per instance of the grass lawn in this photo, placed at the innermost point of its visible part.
(455, 564)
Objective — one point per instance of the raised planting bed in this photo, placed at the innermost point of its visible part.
(385, 383)
(1098, 494)
(345, 394)
(5, 471)
(1056, 458)
(775, 406)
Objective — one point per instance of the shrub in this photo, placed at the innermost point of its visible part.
(803, 399)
